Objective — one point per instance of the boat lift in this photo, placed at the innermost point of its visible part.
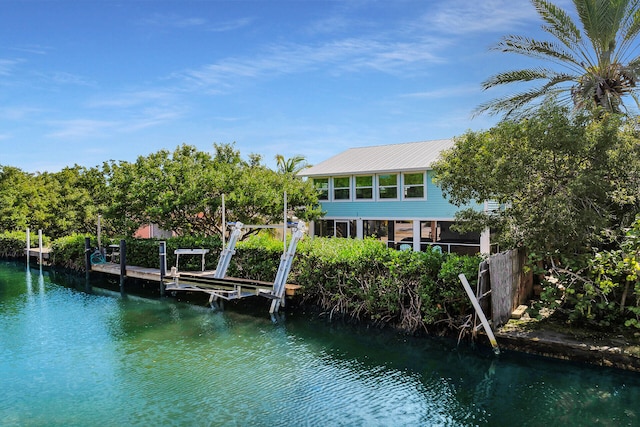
(218, 286)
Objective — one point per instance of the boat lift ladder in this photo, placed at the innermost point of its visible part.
(241, 288)
(228, 252)
(285, 267)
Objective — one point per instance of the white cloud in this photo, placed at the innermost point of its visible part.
(81, 128)
(15, 113)
(133, 98)
(224, 26)
(446, 92)
(339, 56)
(94, 129)
(32, 49)
(463, 16)
(175, 21)
(7, 66)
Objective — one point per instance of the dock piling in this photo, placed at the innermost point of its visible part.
(87, 263)
(123, 264)
(28, 246)
(40, 247)
(163, 266)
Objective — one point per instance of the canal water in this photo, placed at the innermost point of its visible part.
(68, 358)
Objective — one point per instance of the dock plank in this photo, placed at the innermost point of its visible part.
(192, 280)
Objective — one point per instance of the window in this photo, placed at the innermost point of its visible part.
(376, 229)
(338, 228)
(341, 190)
(403, 234)
(413, 185)
(322, 186)
(345, 228)
(364, 187)
(324, 228)
(388, 186)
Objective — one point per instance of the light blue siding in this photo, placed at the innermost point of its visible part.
(434, 207)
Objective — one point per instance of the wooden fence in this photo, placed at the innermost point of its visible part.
(510, 286)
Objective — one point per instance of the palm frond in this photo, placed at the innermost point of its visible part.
(512, 103)
(595, 61)
(527, 75)
(536, 49)
(629, 31)
(559, 23)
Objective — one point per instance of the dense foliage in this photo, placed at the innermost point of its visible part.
(181, 191)
(367, 281)
(12, 244)
(351, 279)
(592, 69)
(567, 187)
(602, 290)
(565, 183)
(59, 203)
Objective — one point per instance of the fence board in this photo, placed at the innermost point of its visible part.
(505, 273)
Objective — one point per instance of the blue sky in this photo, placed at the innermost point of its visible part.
(83, 82)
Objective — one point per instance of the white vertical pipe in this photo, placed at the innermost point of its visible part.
(99, 244)
(28, 245)
(284, 227)
(40, 245)
(224, 223)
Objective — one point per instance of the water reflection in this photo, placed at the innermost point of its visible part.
(71, 358)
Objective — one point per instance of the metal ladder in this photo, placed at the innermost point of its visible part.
(228, 252)
(284, 268)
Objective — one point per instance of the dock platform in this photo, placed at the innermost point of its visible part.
(196, 281)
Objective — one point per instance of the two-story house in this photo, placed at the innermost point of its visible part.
(388, 192)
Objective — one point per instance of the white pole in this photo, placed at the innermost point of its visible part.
(478, 309)
(99, 244)
(224, 223)
(284, 227)
(40, 245)
(28, 245)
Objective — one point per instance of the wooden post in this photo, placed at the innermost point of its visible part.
(87, 263)
(163, 265)
(123, 264)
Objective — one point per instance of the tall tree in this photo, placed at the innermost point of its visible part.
(182, 191)
(566, 182)
(597, 66)
(17, 195)
(292, 165)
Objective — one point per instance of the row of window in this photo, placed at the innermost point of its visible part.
(365, 187)
(398, 234)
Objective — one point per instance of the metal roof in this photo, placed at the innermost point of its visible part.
(382, 158)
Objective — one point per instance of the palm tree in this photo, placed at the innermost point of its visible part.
(600, 65)
(291, 165)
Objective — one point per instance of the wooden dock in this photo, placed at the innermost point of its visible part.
(196, 281)
(35, 252)
(152, 274)
(214, 283)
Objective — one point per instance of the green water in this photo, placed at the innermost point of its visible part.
(68, 358)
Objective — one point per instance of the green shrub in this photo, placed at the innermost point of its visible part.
(12, 244)
(68, 252)
(365, 280)
(357, 279)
